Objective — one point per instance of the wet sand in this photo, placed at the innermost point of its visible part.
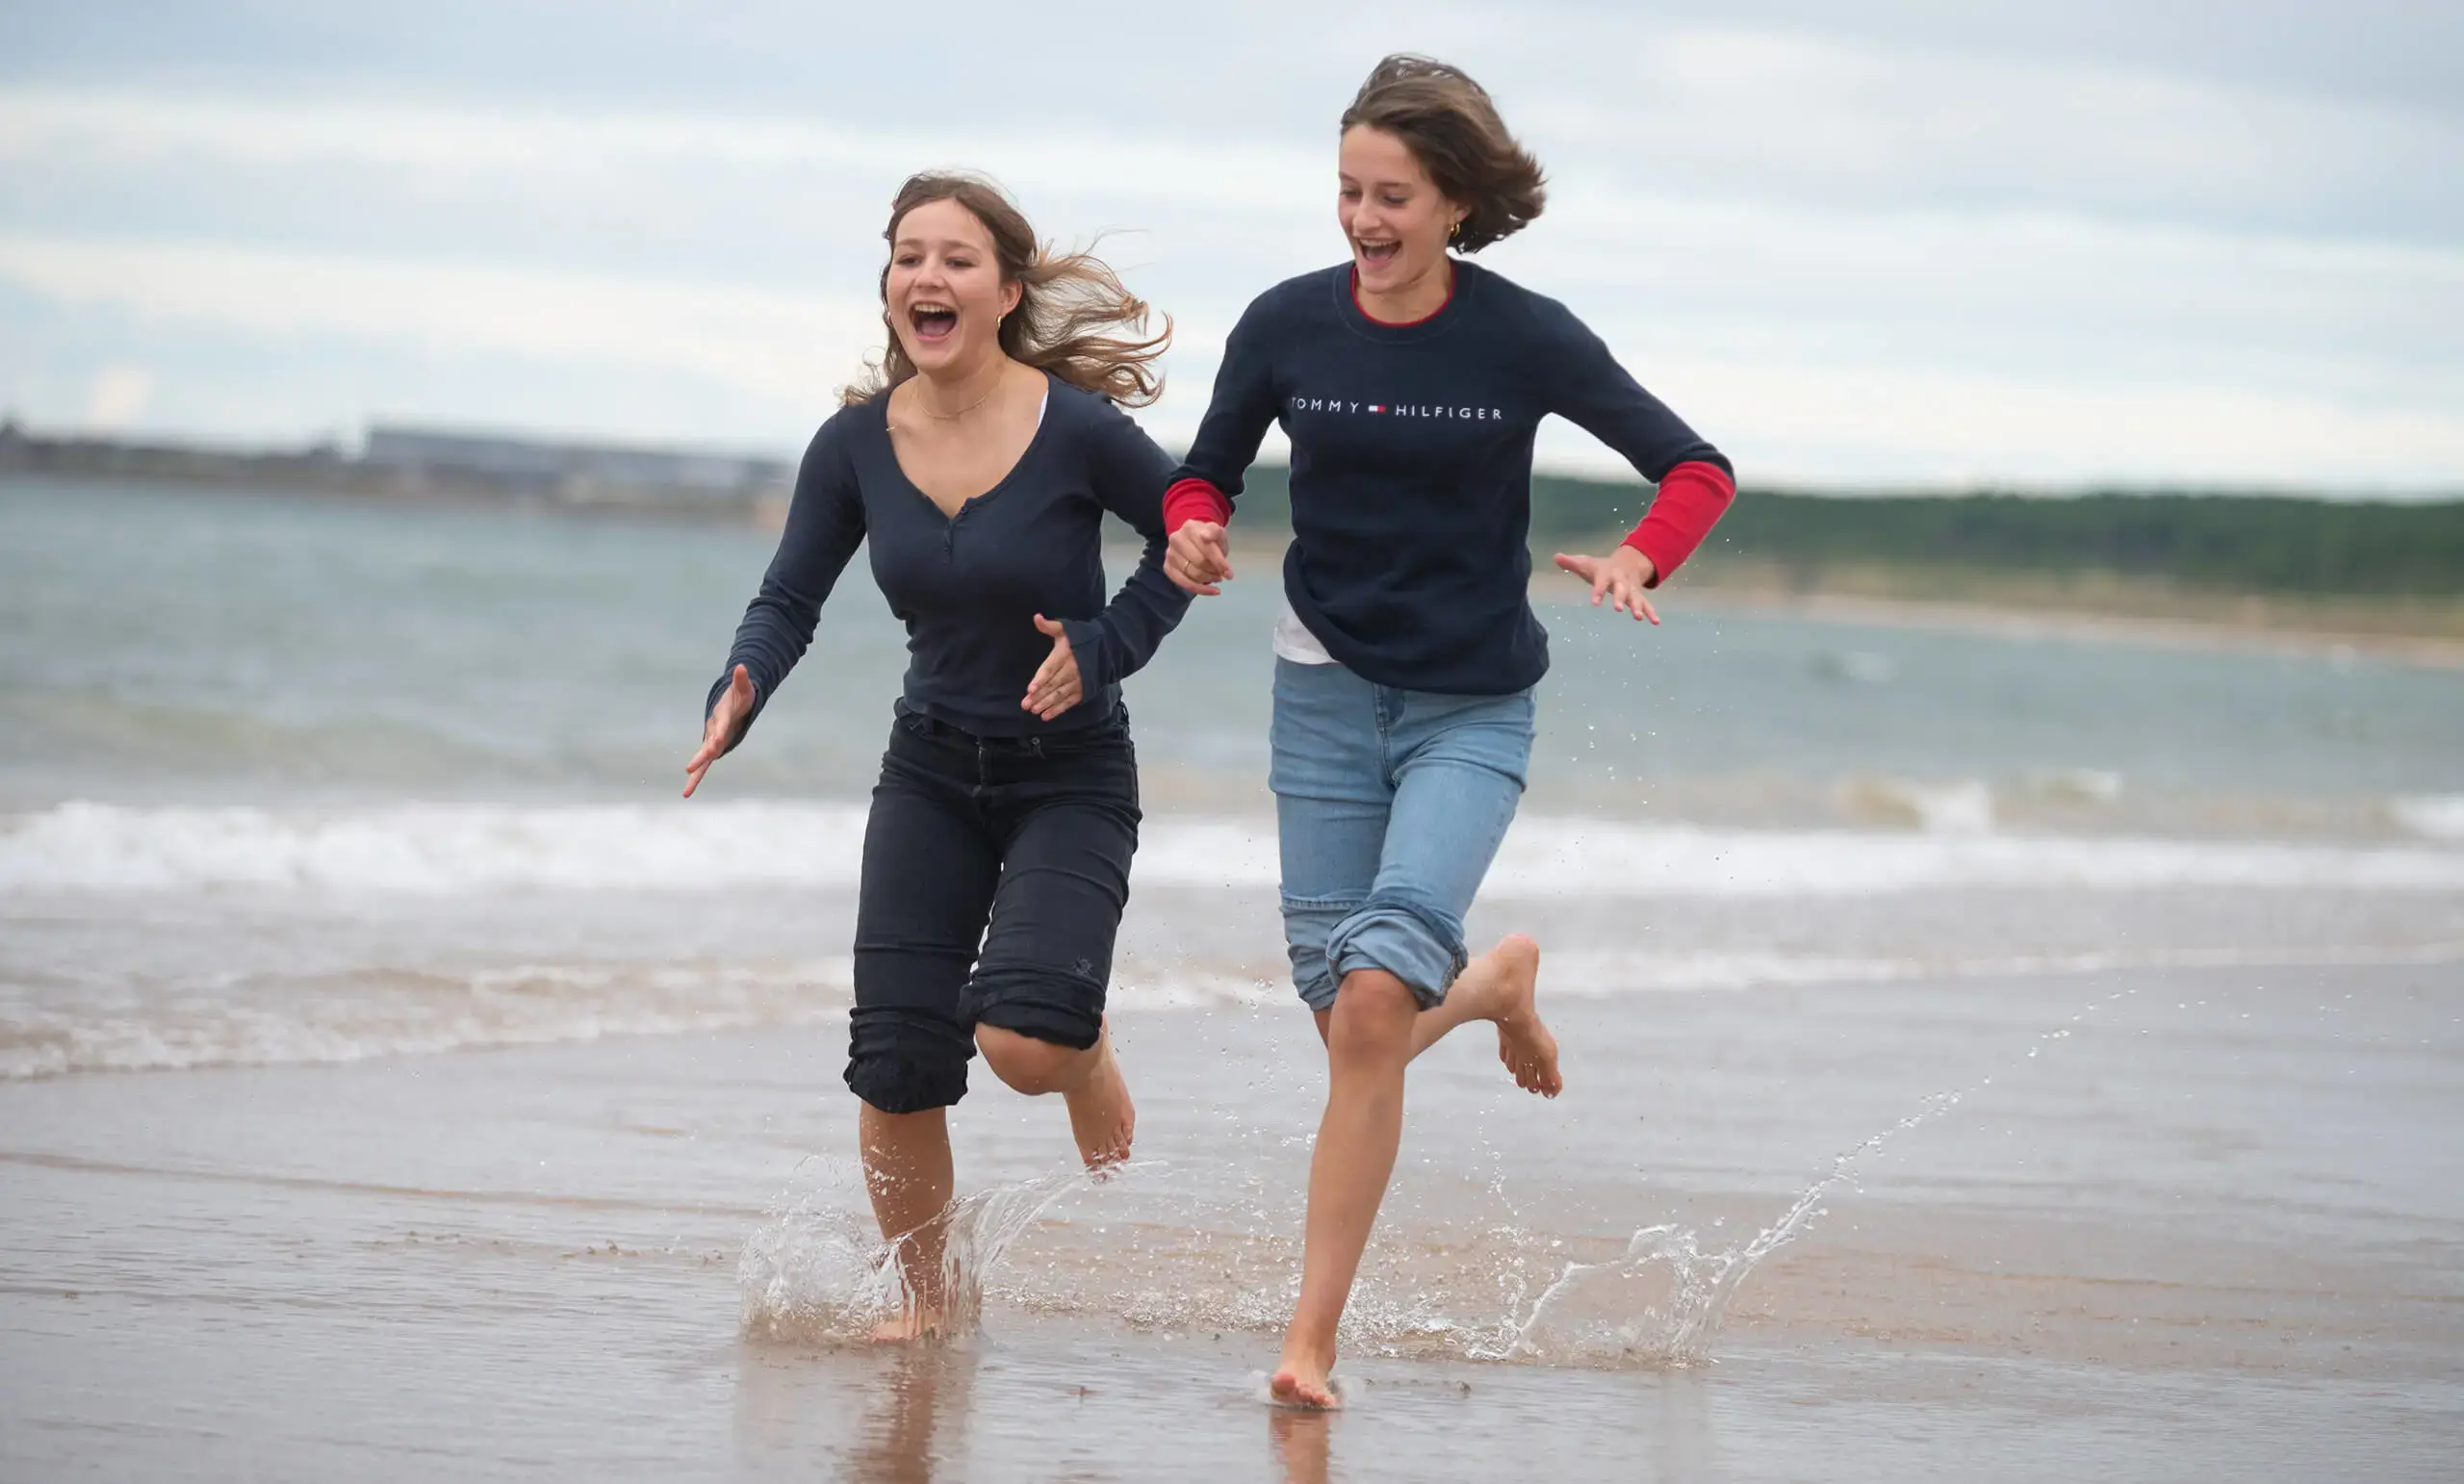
(2232, 623)
(2215, 1230)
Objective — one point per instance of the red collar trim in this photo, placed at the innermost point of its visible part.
(1402, 324)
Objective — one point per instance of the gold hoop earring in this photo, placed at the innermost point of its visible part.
(1454, 231)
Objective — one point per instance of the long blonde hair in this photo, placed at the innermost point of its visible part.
(1075, 318)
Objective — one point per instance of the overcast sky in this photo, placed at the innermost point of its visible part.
(1895, 243)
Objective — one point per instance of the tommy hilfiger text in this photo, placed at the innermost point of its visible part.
(1391, 410)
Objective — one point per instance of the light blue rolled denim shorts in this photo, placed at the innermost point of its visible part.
(1391, 804)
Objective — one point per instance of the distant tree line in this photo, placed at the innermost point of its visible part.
(2241, 542)
(2238, 543)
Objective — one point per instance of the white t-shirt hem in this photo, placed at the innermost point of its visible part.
(1293, 640)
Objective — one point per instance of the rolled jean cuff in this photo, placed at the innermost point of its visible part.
(1418, 943)
(1042, 1004)
(1307, 924)
(903, 1063)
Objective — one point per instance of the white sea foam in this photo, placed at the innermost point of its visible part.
(370, 1014)
(237, 1021)
(2432, 816)
(434, 848)
(1963, 807)
(1583, 858)
(445, 849)
(2074, 785)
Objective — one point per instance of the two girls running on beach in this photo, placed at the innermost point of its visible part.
(1410, 384)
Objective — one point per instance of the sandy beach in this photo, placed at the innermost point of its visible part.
(488, 1265)
(2250, 626)
(2107, 606)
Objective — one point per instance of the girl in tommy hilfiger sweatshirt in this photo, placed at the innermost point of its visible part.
(1410, 383)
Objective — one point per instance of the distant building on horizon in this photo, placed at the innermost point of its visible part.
(571, 470)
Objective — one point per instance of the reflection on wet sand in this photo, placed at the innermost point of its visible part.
(1684, 1440)
(924, 1389)
(1300, 1440)
(1671, 1440)
(792, 1413)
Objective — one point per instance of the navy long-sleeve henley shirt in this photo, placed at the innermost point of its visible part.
(968, 586)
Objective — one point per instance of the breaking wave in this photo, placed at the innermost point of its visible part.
(441, 849)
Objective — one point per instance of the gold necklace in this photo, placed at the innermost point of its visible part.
(952, 417)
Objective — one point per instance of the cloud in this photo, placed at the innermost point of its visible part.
(785, 346)
(118, 397)
(455, 142)
(1698, 111)
(1811, 423)
(1846, 262)
(1807, 117)
(1784, 420)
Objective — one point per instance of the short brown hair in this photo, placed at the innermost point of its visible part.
(1452, 129)
(1067, 301)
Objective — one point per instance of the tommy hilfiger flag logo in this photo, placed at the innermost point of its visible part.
(1374, 407)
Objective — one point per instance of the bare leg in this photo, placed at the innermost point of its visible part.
(1101, 1115)
(1368, 1041)
(907, 1170)
(1499, 986)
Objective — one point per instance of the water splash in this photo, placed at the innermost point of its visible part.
(1660, 1303)
(817, 1271)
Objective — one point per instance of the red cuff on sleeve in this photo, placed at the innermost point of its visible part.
(1195, 500)
(1692, 497)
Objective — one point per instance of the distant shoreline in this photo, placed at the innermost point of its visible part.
(2102, 605)
(2282, 632)
(423, 467)
(1914, 591)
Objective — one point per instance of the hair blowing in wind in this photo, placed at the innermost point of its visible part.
(1075, 318)
(1453, 127)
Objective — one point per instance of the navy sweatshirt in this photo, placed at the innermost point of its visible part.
(969, 586)
(1411, 465)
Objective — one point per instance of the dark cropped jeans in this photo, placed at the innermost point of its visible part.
(995, 871)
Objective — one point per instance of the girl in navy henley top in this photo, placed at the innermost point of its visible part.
(1003, 823)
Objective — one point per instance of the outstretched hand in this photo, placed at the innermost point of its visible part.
(1621, 577)
(726, 724)
(1055, 687)
(1200, 555)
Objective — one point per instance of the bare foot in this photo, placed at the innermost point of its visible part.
(917, 1321)
(1524, 1042)
(1101, 1113)
(1298, 1386)
(1302, 1378)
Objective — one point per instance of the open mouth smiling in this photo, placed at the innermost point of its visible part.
(932, 321)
